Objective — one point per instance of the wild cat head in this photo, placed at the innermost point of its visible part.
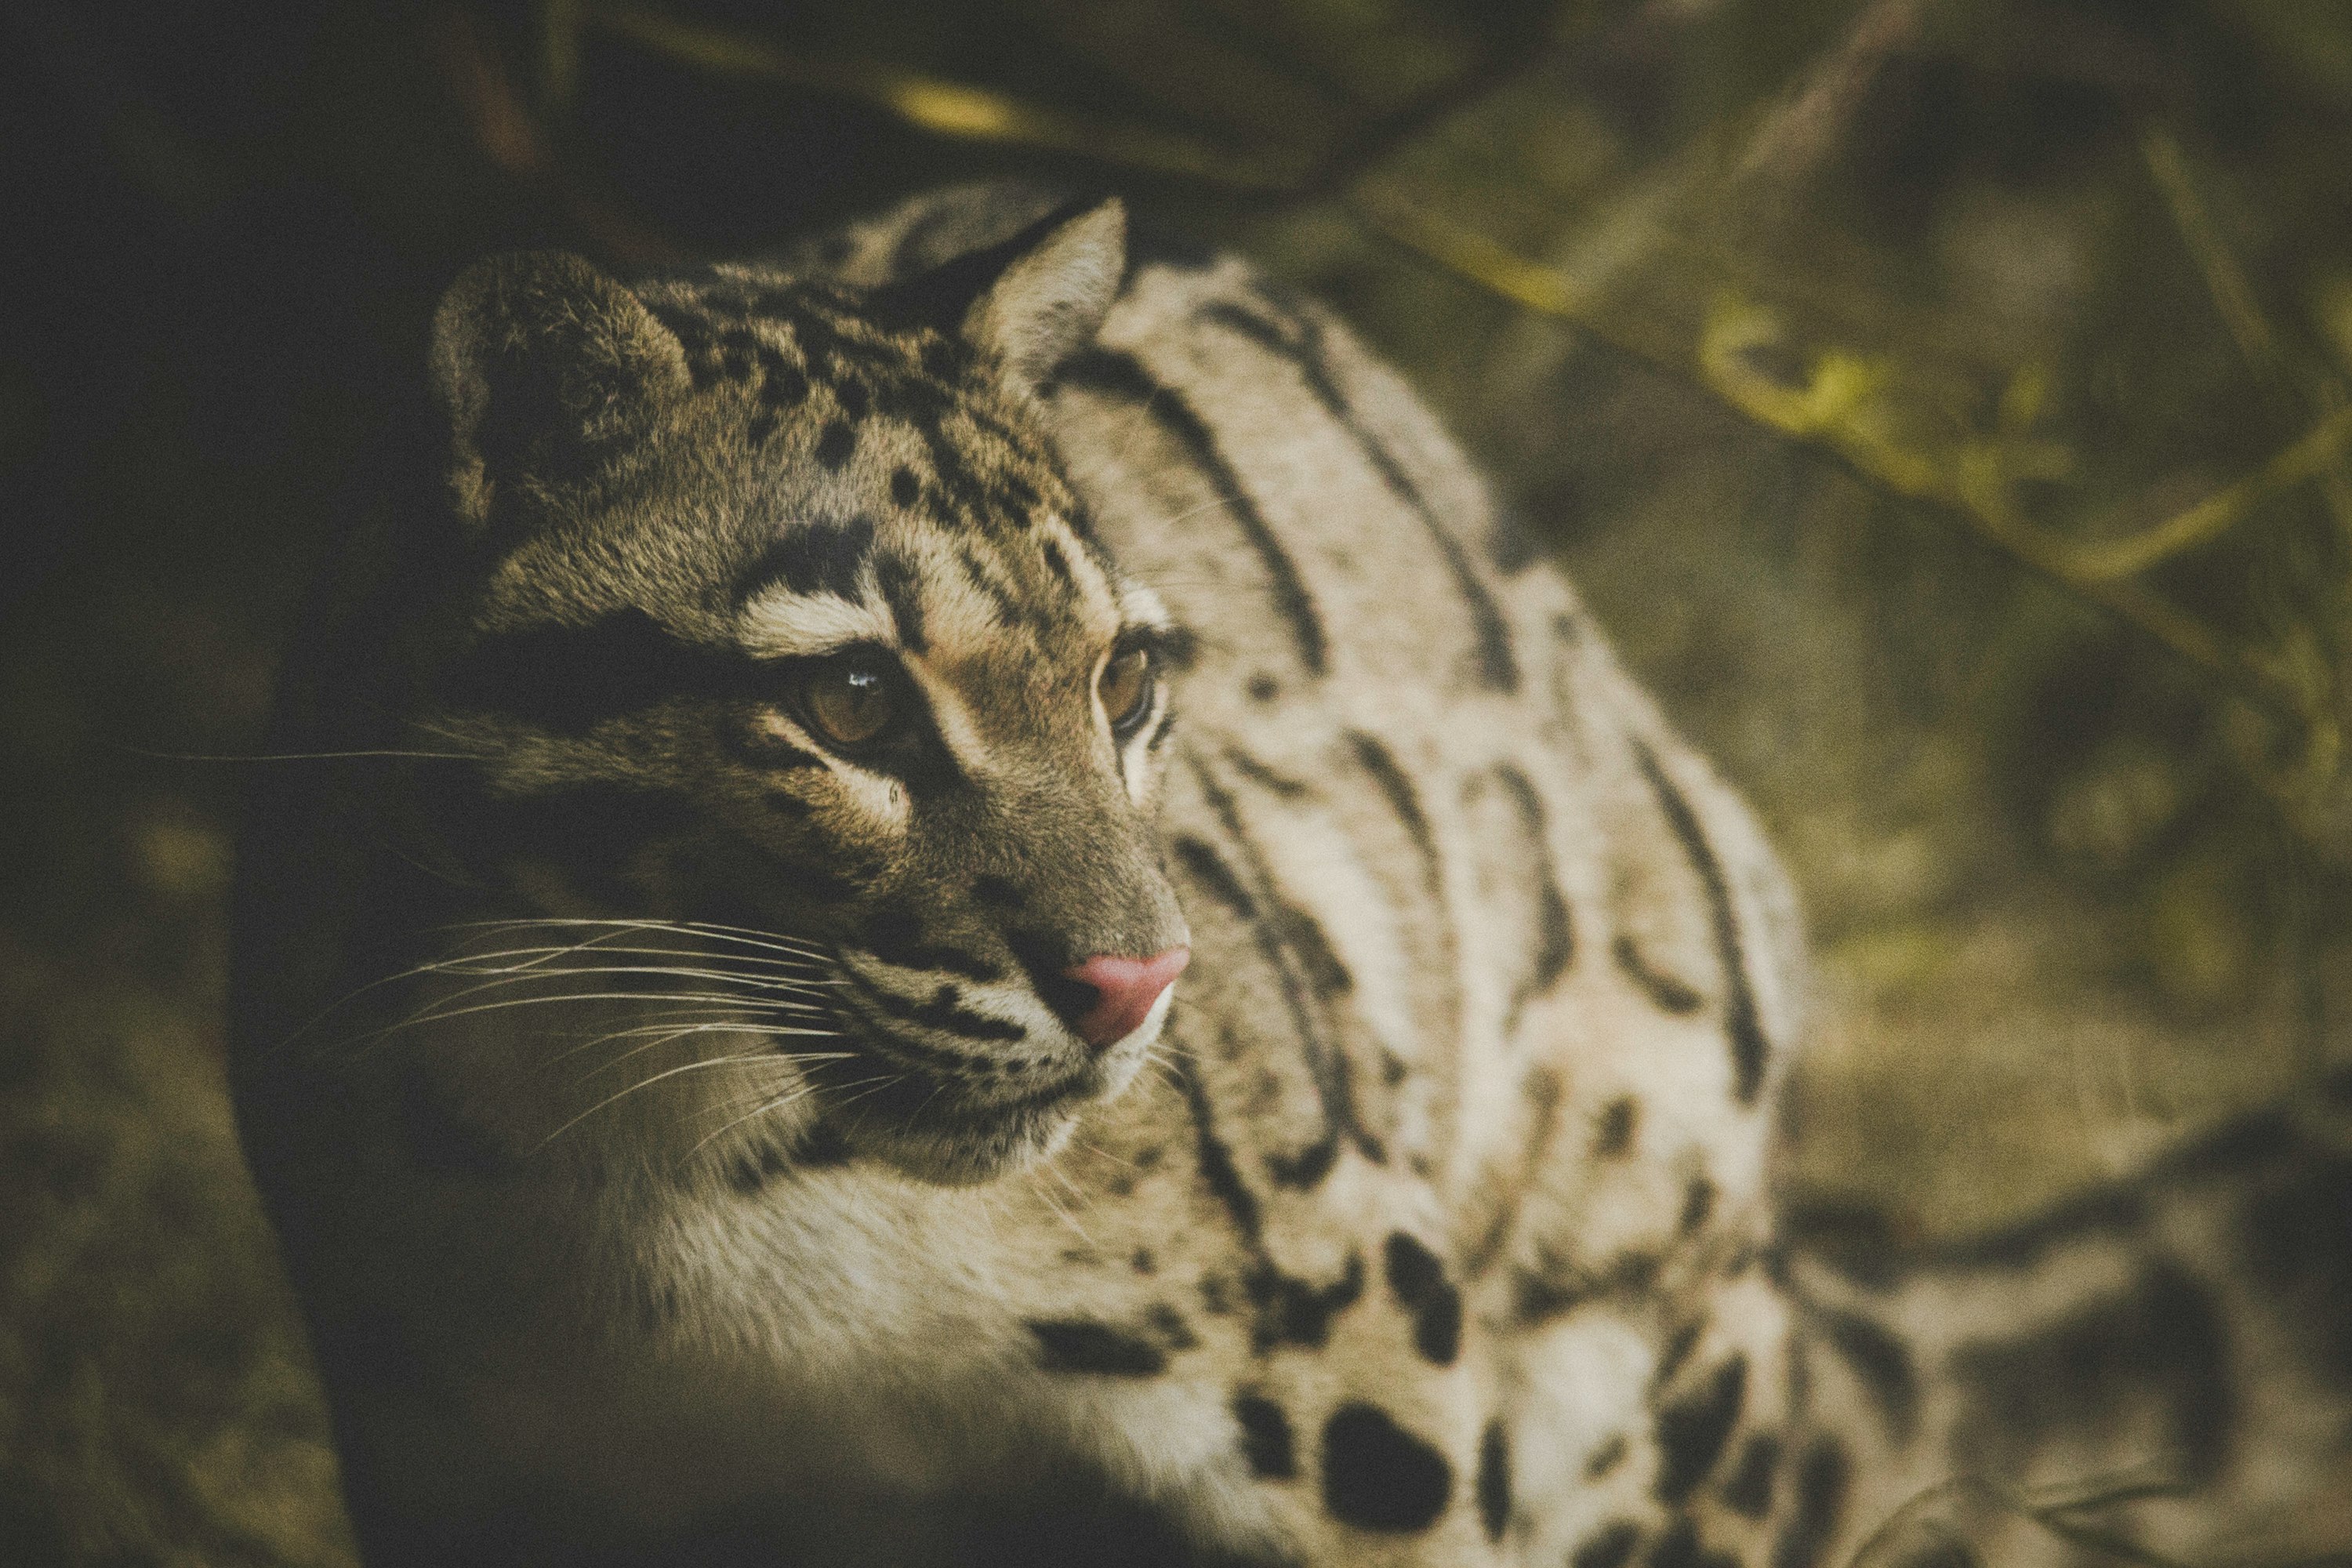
(780, 613)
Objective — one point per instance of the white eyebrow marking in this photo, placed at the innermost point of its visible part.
(781, 625)
(1141, 606)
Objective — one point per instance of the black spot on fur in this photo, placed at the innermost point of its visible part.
(1267, 1446)
(1081, 1346)
(1883, 1364)
(1631, 1272)
(1292, 1311)
(834, 443)
(1698, 1203)
(1823, 1477)
(1208, 868)
(1377, 1476)
(1614, 1133)
(693, 330)
(1303, 935)
(1169, 1325)
(1693, 1431)
(1741, 1024)
(1419, 1282)
(1259, 774)
(1679, 1547)
(1494, 1486)
(1612, 1546)
(1607, 1457)
(1748, 1490)
(782, 386)
(1665, 992)
(819, 558)
(1301, 1172)
(905, 488)
(1264, 688)
(1676, 1351)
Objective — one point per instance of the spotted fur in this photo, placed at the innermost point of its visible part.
(678, 1119)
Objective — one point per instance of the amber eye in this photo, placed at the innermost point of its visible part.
(1125, 690)
(850, 701)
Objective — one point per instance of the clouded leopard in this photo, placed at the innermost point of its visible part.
(971, 907)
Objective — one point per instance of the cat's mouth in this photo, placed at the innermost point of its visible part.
(957, 1086)
(940, 1130)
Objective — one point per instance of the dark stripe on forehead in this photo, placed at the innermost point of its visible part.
(959, 490)
(1009, 611)
(901, 585)
(839, 344)
(1499, 667)
(818, 558)
(1123, 375)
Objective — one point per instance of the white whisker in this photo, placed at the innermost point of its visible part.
(1063, 1214)
(648, 1083)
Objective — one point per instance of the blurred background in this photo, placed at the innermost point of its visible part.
(1947, 403)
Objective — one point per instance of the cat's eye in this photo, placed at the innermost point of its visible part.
(1125, 686)
(851, 702)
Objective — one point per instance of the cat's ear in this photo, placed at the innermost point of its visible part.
(1031, 301)
(541, 361)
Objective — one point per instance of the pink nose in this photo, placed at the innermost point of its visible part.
(1125, 989)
